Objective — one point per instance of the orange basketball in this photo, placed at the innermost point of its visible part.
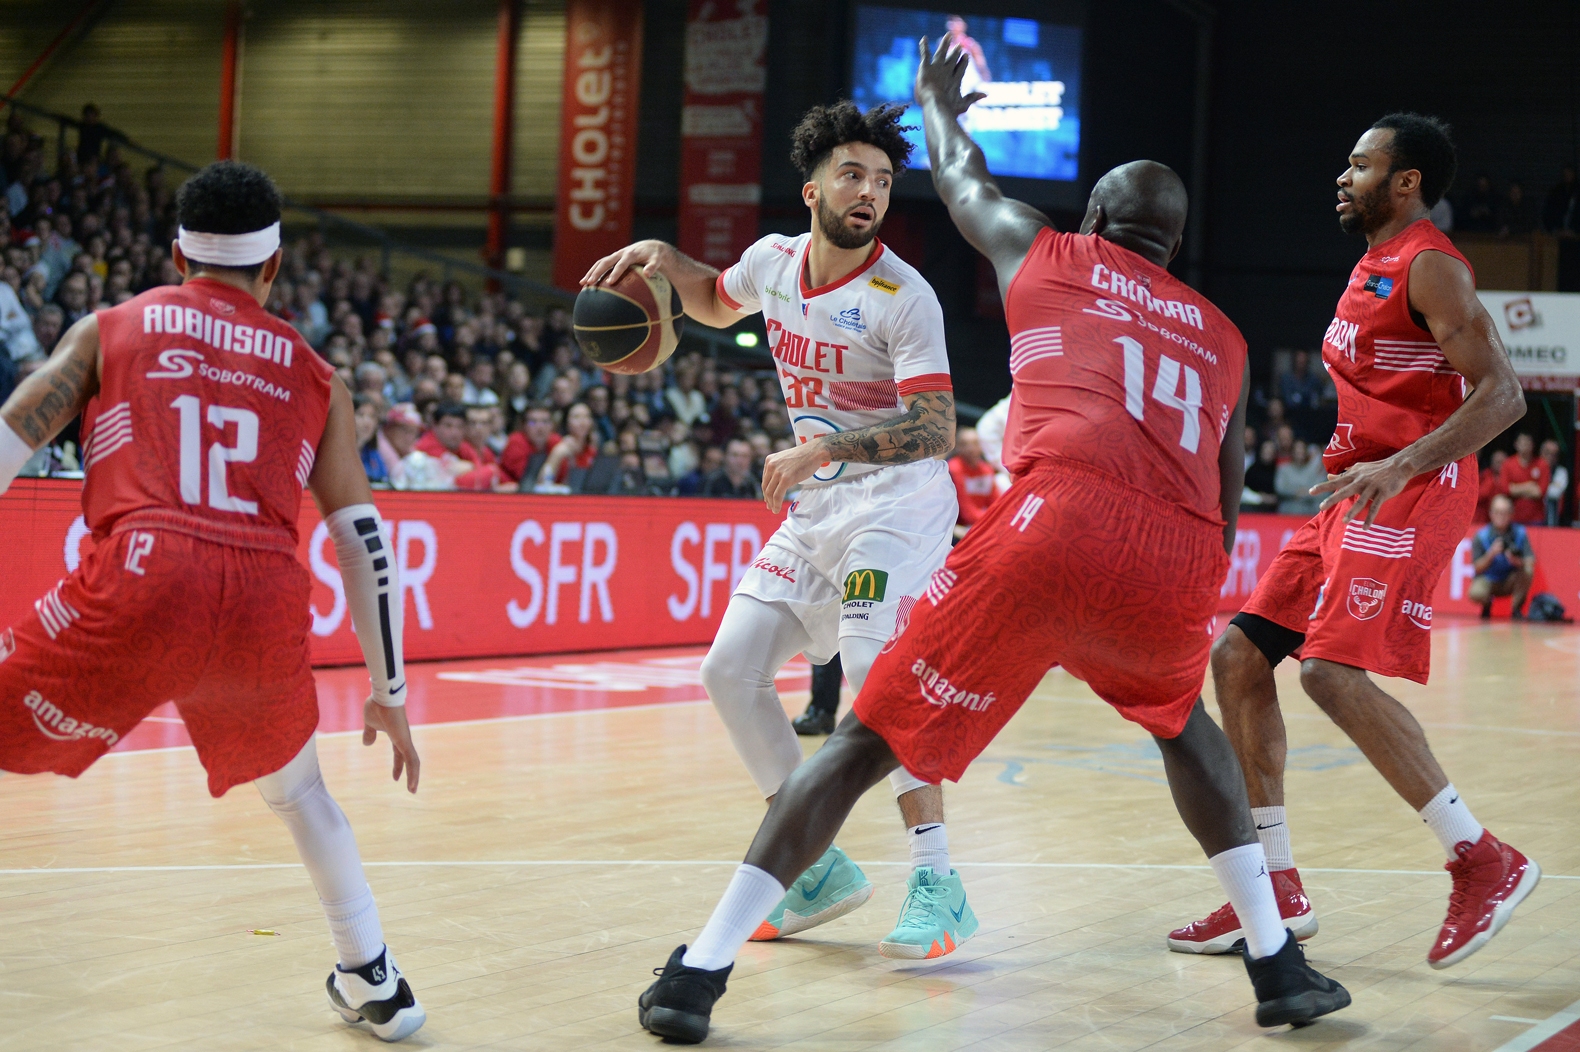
(632, 326)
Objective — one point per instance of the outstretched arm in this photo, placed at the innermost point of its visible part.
(999, 227)
(926, 430)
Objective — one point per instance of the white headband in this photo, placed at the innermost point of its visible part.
(230, 250)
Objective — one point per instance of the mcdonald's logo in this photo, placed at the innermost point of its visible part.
(866, 584)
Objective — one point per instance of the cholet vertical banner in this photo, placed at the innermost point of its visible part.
(598, 115)
(721, 129)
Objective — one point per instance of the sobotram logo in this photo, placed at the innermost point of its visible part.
(866, 585)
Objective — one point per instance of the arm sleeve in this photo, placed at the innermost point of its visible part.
(916, 346)
(740, 287)
(374, 597)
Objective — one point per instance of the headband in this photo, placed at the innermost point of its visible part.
(230, 250)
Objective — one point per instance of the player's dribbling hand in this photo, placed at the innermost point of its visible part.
(940, 74)
(392, 721)
(787, 468)
(1369, 483)
(649, 255)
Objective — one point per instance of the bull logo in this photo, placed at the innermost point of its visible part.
(866, 585)
(1366, 597)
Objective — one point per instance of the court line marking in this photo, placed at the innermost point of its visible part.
(1549, 1027)
(539, 862)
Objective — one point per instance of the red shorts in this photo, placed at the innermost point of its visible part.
(155, 615)
(1364, 597)
(1071, 567)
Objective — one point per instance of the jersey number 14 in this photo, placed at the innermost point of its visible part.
(245, 451)
(1165, 390)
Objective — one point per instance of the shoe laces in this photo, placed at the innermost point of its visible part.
(1222, 913)
(922, 904)
(1463, 871)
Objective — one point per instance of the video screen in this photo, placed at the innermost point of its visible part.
(1030, 123)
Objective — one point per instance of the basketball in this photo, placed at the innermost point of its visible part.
(632, 326)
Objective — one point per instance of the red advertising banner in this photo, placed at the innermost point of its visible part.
(482, 575)
(721, 129)
(598, 114)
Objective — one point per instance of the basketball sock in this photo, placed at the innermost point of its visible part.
(1243, 873)
(1272, 829)
(751, 895)
(929, 847)
(1450, 820)
(296, 792)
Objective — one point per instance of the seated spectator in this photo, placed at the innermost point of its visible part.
(655, 468)
(1502, 558)
(367, 424)
(734, 478)
(409, 467)
(598, 402)
(630, 481)
(577, 449)
(561, 364)
(453, 389)
(973, 478)
(518, 394)
(1298, 389)
(73, 298)
(683, 399)
(1525, 479)
(1285, 437)
(16, 328)
(537, 435)
(1261, 480)
(48, 325)
(479, 383)
(1515, 218)
(447, 443)
(1559, 484)
(1295, 478)
(1478, 212)
(479, 434)
(692, 483)
(1491, 484)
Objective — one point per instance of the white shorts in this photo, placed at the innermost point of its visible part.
(852, 557)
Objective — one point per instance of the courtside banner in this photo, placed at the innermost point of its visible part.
(482, 575)
(721, 129)
(598, 116)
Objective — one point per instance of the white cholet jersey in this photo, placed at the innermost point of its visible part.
(846, 352)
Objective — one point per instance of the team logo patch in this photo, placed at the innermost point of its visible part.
(849, 320)
(884, 286)
(1378, 285)
(866, 585)
(1366, 597)
(7, 644)
(221, 307)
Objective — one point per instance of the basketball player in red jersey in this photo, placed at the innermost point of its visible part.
(1105, 556)
(204, 418)
(1423, 384)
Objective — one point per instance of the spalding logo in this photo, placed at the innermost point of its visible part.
(1366, 597)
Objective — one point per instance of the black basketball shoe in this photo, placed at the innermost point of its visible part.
(679, 1004)
(1288, 990)
(377, 994)
(814, 721)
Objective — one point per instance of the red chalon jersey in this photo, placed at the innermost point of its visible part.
(208, 407)
(1120, 365)
(1394, 384)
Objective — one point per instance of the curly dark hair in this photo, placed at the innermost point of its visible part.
(229, 197)
(1425, 144)
(825, 127)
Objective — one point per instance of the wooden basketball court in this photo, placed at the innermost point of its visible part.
(561, 847)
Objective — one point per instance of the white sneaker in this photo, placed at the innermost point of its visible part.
(377, 994)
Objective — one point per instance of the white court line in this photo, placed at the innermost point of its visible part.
(1537, 1034)
(466, 863)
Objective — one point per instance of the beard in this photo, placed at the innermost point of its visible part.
(1368, 212)
(839, 235)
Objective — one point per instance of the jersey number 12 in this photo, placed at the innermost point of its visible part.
(1165, 390)
(245, 451)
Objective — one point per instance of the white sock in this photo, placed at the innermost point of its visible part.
(354, 926)
(1243, 873)
(751, 895)
(1448, 817)
(929, 847)
(1272, 829)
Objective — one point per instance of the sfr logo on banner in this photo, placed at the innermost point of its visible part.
(598, 114)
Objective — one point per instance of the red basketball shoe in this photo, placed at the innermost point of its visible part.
(1490, 879)
(1219, 931)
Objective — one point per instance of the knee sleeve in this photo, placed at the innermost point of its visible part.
(1274, 641)
(754, 640)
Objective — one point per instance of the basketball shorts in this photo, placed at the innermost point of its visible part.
(1363, 597)
(1071, 567)
(852, 557)
(154, 615)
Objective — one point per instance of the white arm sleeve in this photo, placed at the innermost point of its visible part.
(374, 597)
(13, 454)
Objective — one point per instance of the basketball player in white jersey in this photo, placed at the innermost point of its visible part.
(858, 340)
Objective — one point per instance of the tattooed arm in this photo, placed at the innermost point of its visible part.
(49, 399)
(927, 430)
